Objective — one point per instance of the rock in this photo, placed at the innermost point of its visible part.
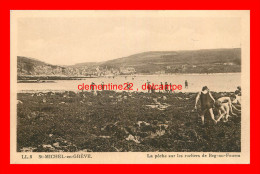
(159, 106)
(33, 115)
(19, 102)
(50, 93)
(152, 106)
(28, 149)
(48, 146)
(132, 138)
(163, 106)
(57, 144)
(104, 136)
(40, 94)
(142, 122)
(85, 150)
(164, 98)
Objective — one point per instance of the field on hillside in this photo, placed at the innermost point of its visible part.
(120, 122)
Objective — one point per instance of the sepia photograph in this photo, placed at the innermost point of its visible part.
(103, 85)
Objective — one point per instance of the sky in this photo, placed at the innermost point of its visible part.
(71, 40)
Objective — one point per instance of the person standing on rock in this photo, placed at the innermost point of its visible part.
(207, 102)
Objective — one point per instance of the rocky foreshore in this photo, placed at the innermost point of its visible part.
(120, 122)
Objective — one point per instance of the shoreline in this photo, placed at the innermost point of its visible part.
(112, 91)
(183, 74)
(122, 91)
(121, 75)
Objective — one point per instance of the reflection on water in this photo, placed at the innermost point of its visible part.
(215, 82)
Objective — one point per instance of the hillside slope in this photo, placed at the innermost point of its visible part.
(154, 62)
(30, 66)
(198, 61)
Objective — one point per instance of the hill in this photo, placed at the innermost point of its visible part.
(153, 62)
(31, 66)
(198, 61)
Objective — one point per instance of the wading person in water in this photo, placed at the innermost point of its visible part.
(166, 87)
(102, 85)
(128, 86)
(92, 86)
(186, 84)
(148, 86)
(207, 102)
(161, 88)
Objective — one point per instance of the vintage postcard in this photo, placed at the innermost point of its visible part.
(130, 87)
